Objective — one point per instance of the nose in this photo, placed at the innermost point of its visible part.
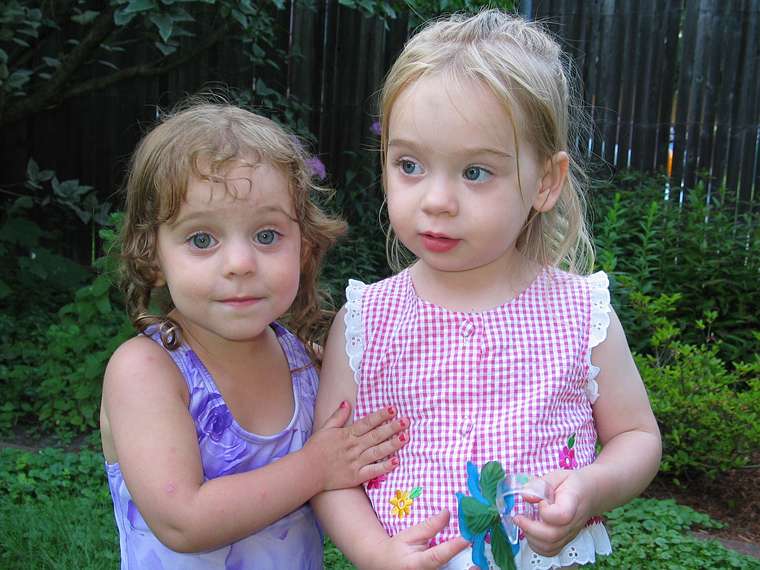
(239, 258)
(440, 197)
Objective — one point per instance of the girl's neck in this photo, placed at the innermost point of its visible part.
(477, 289)
(219, 352)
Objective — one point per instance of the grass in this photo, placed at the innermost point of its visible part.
(55, 512)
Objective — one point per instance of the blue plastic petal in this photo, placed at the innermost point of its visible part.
(463, 528)
(479, 551)
(473, 482)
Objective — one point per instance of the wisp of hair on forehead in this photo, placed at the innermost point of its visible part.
(203, 140)
(526, 70)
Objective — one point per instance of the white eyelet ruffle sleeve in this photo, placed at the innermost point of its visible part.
(354, 326)
(599, 287)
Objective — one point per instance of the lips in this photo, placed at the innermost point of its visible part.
(240, 301)
(438, 243)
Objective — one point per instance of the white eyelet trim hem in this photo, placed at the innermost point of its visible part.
(600, 321)
(583, 549)
(354, 327)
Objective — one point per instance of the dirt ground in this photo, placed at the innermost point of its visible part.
(733, 499)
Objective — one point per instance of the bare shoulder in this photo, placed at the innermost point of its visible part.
(141, 366)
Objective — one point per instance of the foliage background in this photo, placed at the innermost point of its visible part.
(683, 263)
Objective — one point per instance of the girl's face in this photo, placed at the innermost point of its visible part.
(231, 259)
(454, 197)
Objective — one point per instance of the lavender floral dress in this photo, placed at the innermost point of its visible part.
(226, 448)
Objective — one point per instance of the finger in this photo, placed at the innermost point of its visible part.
(377, 469)
(440, 554)
(427, 529)
(339, 416)
(561, 512)
(371, 421)
(544, 539)
(384, 449)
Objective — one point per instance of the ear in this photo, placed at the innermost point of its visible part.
(552, 182)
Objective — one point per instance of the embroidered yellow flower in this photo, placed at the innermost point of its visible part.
(403, 500)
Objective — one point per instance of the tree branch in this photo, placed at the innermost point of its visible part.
(158, 67)
(50, 92)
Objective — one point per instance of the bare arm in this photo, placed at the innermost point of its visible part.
(346, 514)
(629, 458)
(150, 432)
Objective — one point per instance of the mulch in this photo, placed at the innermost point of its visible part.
(733, 498)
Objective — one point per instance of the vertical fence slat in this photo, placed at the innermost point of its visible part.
(724, 104)
(686, 74)
(749, 97)
(647, 92)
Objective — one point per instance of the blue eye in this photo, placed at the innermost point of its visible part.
(409, 167)
(267, 237)
(202, 240)
(476, 174)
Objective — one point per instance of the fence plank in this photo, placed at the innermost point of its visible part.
(647, 91)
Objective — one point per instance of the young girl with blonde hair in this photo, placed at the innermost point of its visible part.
(494, 342)
(207, 414)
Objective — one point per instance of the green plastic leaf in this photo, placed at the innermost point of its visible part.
(478, 516)
(501, 549)
(416, 492)
(571, 441)
(490, 476)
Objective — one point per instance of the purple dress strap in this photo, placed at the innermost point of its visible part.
(295, 540)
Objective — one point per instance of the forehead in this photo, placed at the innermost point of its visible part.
(441, 109)
(242, 184)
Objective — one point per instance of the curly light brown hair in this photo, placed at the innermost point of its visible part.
(525, 68)
(202, 140)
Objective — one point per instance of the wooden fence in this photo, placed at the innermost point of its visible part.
(672, 85)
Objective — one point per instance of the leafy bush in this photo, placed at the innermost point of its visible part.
(655, 534)
(709, 416)
(706, 249)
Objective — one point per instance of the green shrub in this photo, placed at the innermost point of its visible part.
(704, 249)
(709, 415)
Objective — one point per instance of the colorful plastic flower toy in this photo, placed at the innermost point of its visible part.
(486, 514)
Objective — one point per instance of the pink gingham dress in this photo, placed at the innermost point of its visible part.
(512, 384)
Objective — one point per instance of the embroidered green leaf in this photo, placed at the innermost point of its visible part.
(477, 516)
(571, 441)
(500, 548)
(490, 476)
(416, 492)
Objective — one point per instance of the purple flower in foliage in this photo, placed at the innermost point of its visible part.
(375, 128)
(317, 168)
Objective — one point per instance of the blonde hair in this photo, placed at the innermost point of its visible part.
(525, 68)
(213, 136)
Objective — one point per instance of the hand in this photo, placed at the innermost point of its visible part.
(559, 522)
(410, 549)
(349, 456)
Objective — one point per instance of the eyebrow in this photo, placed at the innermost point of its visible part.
(467, 151)
(203, 213)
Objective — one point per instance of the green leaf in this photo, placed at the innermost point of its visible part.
(571, 441)
(5, 290)
(165, 48)
(500, 548)
(490, 476)
(85, 17)
(165, 24)
(136, 6)
(478, 516)
(122, 18)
